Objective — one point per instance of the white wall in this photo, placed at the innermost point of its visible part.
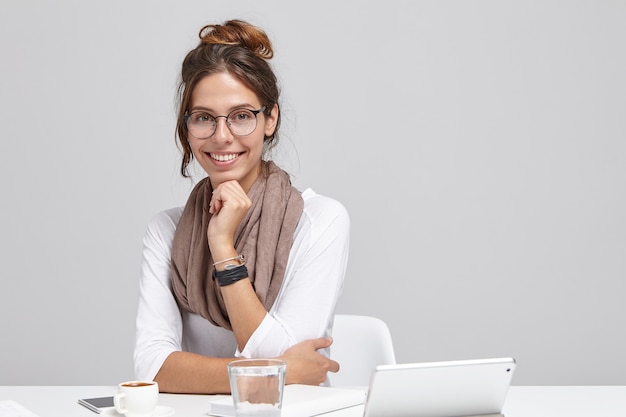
(478, 145)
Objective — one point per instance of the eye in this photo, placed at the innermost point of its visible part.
(201, 117)
(240, 116)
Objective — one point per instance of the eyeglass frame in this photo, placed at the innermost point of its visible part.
(187, 115)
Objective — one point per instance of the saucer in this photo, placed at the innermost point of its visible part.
(160, 411)
(163, 411)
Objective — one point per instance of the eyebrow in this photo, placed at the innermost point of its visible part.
(238, 106)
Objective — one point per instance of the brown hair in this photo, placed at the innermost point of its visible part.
(240, 49)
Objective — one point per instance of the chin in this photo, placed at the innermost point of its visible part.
(219, 177)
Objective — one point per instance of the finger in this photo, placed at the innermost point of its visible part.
(230, 195)
(229, 188)
(322, 342)
(334, 366)
(215, 205)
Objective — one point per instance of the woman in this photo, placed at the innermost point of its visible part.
(250, 267)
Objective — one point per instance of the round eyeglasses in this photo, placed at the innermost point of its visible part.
(241, 122)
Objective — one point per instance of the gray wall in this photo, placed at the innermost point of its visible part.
(478, 145)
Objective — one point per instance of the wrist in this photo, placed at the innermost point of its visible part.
(229, 263)
(220, 242)
(230, 276)
(219, 256)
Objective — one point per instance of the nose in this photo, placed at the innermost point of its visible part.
(222, 131)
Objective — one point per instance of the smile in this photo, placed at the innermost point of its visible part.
(224, 157)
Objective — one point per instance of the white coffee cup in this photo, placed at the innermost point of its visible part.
(136, 398)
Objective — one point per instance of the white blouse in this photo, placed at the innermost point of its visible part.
(304, 308)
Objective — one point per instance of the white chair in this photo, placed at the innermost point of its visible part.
(360, 343)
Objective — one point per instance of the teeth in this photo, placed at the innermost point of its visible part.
(224, 158)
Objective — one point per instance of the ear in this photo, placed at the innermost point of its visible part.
(270, 121)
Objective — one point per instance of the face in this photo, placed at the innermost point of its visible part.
(225, 156)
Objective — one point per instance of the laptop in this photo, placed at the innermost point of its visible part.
(440, 389)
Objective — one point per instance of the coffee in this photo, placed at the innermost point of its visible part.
(137, 384)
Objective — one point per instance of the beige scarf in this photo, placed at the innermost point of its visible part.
(264, 237)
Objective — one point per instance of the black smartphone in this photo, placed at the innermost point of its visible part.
(97, 405)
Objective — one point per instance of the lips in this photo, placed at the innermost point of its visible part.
(224, 157)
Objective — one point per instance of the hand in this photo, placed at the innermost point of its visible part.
(305, 365)
(229, 205)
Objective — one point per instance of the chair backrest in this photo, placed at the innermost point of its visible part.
(360, 343)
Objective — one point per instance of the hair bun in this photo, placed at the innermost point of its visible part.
(238, 33)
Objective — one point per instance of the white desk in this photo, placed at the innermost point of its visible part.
(606, 401)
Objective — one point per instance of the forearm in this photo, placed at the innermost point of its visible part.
(190, 373)
(245, 311)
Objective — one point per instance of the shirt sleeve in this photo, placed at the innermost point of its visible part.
(159, 323)
(306, 303)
